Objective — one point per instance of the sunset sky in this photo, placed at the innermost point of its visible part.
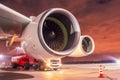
(98, 18)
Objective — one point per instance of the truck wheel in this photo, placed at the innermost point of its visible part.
(55, 69)
(35, 67)
(14, 65)
(26, 66)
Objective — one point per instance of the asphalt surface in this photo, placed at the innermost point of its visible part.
(67, 72)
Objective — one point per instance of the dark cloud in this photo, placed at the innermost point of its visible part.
(103, 1)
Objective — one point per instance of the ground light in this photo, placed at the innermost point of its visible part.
(1, 56)
(118, 61)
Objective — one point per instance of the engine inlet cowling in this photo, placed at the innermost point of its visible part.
(85, 47)
(59, 31)
(87, 44)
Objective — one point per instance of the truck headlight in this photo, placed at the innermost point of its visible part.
(48, 64)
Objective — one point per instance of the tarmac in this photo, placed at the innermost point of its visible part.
(111, 71)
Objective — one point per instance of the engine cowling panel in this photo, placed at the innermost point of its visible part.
(53, 34)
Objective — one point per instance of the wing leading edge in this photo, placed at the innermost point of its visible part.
(9, 24)
(9, 16)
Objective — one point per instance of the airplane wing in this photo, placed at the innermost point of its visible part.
(10, 21)
(11, 17)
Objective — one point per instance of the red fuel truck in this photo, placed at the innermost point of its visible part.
(27, 62)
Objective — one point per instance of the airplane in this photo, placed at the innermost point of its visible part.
(53, 34)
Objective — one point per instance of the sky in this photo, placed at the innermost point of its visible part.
(98, 18)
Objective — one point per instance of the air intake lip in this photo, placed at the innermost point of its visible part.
(85, 47)
(58, 31)
(87, 44)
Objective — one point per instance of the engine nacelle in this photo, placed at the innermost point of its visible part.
(53, 34)
(85, 47)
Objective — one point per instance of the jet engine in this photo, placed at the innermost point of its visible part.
(55, 33)
(85, 47)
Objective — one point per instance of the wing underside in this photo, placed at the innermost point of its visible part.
(11, 22)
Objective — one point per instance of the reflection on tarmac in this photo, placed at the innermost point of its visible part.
(68, 72)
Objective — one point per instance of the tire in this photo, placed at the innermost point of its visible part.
(26, 66)
(35, 67)
(14, 65)
(55, 69)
